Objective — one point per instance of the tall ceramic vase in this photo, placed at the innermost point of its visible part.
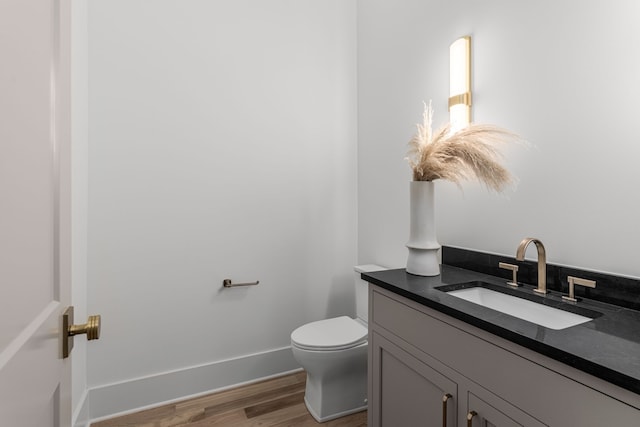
(423, 245)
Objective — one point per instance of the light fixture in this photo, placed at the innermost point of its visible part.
(460, 83)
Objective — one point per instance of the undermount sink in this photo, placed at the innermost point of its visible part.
(543, 315)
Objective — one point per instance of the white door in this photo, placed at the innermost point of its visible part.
(34, 211)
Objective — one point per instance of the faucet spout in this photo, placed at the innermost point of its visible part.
(542, 261)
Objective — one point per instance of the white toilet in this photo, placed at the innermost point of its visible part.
(334, 354)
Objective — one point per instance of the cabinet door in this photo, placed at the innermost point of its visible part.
(497, 414)
(406, 391)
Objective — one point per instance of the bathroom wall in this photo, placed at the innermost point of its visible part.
(562, 74)
(222, 144)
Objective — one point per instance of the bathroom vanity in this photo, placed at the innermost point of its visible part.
(438, 360)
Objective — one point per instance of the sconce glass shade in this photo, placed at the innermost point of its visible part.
(460, 83)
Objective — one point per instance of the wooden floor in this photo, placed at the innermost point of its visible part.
(276, 402)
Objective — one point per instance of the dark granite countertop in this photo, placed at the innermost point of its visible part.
(607, 347)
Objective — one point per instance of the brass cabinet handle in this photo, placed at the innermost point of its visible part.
(445, 399)
(470, 416)
(69, 330)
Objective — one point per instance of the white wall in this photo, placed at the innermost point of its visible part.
(563, 74)
(222, 145)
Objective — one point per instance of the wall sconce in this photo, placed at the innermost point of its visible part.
(460, 83)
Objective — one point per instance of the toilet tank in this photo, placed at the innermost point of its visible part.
(362, 290)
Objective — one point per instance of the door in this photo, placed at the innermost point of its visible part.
(34, 211)
(408, 392)
(497, 414)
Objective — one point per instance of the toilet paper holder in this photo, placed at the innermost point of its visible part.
(228, 284)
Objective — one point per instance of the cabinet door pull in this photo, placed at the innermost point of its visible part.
(470, 416)
(445, 399)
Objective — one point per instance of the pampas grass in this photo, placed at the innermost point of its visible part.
(461, 155)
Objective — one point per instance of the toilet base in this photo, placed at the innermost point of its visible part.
(337, 384)
(336, 377)
(332, 416)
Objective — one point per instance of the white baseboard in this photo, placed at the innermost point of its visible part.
(143, 393)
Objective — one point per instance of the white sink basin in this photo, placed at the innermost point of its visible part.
(530, 311)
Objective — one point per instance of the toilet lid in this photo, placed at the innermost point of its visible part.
(338, 333)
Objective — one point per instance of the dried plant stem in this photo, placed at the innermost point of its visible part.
(463, 155)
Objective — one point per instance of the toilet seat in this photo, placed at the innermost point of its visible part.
(339, 333)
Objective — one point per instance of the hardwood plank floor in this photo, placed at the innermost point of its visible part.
(277, 402)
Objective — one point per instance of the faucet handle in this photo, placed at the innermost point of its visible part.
(514, 270)
(577, 281)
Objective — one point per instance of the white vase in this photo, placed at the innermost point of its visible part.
(423, 245)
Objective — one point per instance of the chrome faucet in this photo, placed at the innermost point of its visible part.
(542, 261)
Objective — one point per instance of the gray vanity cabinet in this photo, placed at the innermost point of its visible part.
(417, 356)
(409, 391)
